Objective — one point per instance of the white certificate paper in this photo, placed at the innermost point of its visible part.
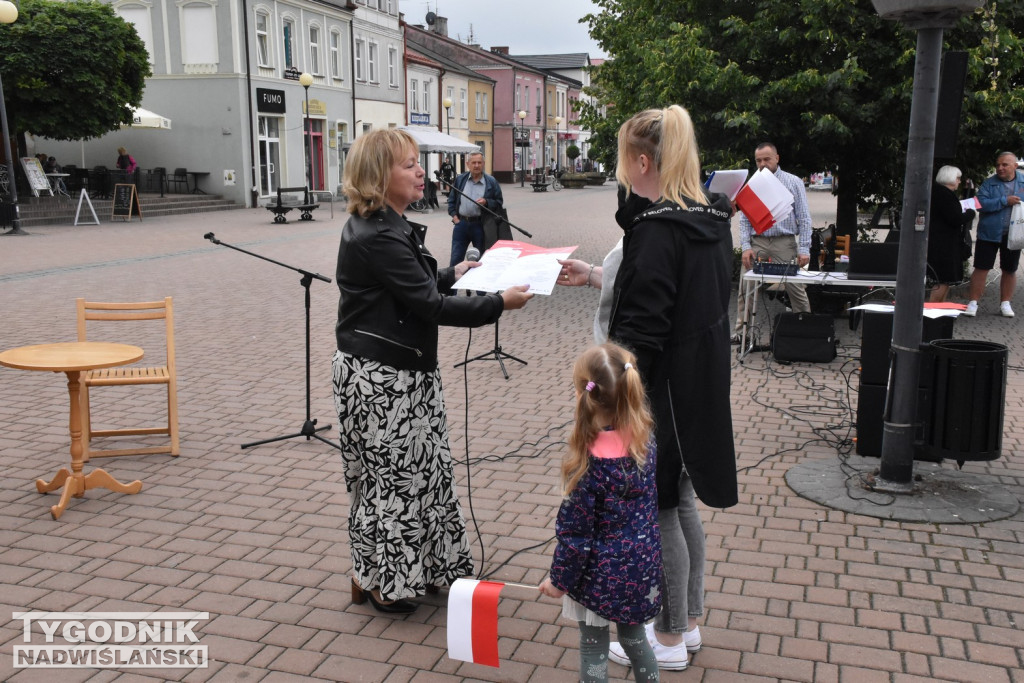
(509, 263)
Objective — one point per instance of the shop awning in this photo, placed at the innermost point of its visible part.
(433, 140)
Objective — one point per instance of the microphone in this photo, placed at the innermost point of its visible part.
(209, 236)
(472, 254)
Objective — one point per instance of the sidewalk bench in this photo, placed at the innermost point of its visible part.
(289, 198)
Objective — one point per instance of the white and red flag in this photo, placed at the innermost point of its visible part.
(764, 200)
(473, 621)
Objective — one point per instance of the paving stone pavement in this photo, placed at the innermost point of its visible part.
(796, 591)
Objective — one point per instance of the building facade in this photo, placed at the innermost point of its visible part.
(460, 86)
(575, 68)
(496, 109)
(227, 76)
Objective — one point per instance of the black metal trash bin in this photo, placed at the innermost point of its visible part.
(969, 396)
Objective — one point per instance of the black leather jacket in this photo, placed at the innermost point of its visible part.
(392, 295)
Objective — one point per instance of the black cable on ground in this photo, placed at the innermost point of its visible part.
(485, 573)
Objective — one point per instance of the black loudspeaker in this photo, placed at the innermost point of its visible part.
(951, 99)
(870, 413)
(876, 337)
(870, 407)
(874, 376)
(804, 337)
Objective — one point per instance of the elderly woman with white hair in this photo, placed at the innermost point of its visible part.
(948, 234)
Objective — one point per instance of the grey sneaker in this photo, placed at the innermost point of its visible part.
(1005, 310)
(972, 309)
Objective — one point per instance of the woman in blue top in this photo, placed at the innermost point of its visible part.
(607, 564)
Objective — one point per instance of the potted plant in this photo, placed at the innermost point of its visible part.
(574, 181)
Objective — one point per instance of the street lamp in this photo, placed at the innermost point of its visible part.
(929, 18)
(306, 80)
(8, 15)
(522, 148)
(447, 102)
(558, 160)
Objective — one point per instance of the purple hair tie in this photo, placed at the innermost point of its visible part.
(590, 386)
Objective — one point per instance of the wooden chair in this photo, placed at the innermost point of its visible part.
(842, 245)
(130, 375)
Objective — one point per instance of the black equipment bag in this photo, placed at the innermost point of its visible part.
(495, 229)
(804, 337)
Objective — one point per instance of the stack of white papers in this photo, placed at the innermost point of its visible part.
(764, 200)
(969, 203)
(726, 182)
(509, 263)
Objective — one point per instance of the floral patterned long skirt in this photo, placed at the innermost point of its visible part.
(406, 528)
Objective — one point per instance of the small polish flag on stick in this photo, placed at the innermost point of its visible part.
(473, 621)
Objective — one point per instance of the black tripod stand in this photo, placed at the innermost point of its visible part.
(494, 354)
(309, 428)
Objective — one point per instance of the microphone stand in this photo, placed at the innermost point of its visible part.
(495, 353)
(451, 186)
(309, 428)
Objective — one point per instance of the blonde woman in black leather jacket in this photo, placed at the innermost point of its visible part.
(406, 528)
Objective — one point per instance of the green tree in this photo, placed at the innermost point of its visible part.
(828, 81)
(71, 70)
(572, 152)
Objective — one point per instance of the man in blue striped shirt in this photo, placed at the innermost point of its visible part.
(787, 241)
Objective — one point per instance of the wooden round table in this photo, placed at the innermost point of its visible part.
(72, 358)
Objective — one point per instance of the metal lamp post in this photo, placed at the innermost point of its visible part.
(447, 102)
(929, 18)
(306, 80)
(558, 156)
(8, 15)
(522, 137)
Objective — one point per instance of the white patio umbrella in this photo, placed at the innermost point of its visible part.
(141, 118)
(144, 118)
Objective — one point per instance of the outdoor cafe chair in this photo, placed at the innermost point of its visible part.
(179, 177)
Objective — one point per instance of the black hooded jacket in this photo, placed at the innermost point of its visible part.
(671, 307)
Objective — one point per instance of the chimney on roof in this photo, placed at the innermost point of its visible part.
(440, 26)
(500, 50)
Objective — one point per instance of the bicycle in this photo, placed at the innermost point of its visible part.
(420, 205)
(556, 184)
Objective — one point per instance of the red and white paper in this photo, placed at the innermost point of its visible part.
(509, 263)
(764, 200)
(473, 621)
(969, 203)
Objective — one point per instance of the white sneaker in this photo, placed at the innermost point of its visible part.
(691, 639)
(1005, 309)
(972, 309)
(670, 657)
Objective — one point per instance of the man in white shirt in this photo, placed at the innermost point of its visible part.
(787, 241)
